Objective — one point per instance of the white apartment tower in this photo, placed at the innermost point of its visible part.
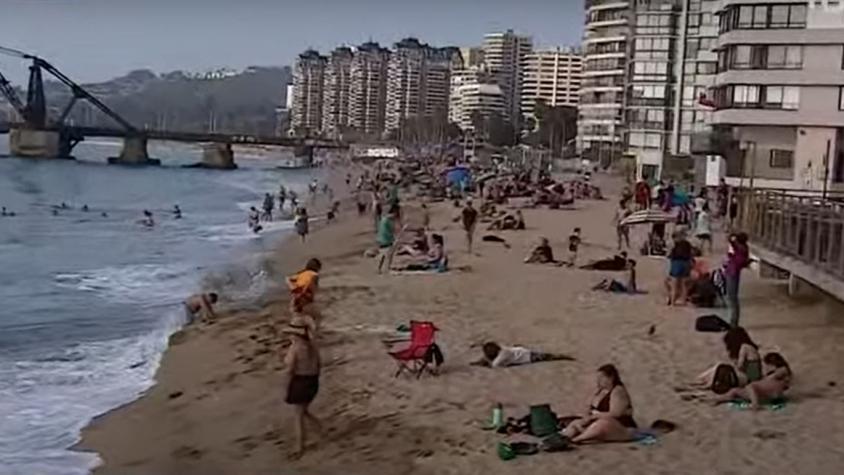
(418, 82)
(505, 54)
(338, 72)
(601, 108)
(552, 76)
(368, 89)
(308, 89)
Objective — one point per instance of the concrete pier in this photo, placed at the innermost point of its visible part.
(134, 153)
(218, 156)
(30, 143)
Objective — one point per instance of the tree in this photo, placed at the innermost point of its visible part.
(557, 126)
(500, 132)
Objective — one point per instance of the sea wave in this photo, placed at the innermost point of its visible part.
(45, 402)
(132, 284)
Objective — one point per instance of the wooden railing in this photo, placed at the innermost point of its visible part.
(805, 226)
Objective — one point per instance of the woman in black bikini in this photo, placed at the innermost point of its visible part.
(610, 416)
(302, 368)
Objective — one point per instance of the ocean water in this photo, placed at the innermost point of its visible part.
(87, 302)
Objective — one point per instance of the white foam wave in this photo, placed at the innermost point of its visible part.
(131, 284)
(45, 403)
(240, 232)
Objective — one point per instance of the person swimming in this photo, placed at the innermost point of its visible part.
(177, 212)
(85, 208)
(147, 219)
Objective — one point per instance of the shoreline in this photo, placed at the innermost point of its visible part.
(180, 331)
(217, 406)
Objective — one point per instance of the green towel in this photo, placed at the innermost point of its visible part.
(772, 405)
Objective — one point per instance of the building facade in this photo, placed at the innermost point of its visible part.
(368, 89)
(418, 82)
(308, 94)
(338, 75)
(552, 76)
(504, 55)
(780, 94)
(602, 92)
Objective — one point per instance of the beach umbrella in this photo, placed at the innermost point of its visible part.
(647, 216)
(457, 175)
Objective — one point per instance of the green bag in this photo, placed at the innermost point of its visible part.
(543, 421)
(505, 452)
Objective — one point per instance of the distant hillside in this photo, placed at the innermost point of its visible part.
(240, 103)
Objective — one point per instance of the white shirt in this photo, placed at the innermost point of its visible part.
(699, 203)
(511, 356)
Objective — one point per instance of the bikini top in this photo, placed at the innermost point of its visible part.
(604, 404)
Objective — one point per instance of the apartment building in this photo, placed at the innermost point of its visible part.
(471, 56)
(308, 93)
(504, 54)
(602, 91)
(552, 76)
(338, 75)
(476, 100)
(418, 81)
(780, 94)
(651, 83)
(368, 89)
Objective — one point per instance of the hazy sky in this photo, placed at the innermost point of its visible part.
(93, 40)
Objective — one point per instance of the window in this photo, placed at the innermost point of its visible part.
(796, 16)
(790, 97)
(779, 16)
(841, 98)
(781, 158)
(741, 57)
(773, 97)
(760, 16)
(706, 67)
(745, 96)
(745, 16)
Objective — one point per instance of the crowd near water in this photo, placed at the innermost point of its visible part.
(95, 262)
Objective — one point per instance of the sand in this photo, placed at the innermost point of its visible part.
(218, 408)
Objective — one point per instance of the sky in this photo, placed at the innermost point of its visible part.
(94, 40)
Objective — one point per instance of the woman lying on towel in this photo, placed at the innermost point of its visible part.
(615, 263)
(773, 386)
(610, 414)
(435, 260)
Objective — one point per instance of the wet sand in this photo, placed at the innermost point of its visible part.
(218, 408)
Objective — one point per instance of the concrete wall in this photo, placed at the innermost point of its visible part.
(767, 139)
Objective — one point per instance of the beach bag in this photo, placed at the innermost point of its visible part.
(543, 421)
(711, 324)
(434, 355)
(725, 379)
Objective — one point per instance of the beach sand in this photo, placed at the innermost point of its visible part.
(217, 407)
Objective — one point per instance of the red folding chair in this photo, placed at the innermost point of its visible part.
(414, 357)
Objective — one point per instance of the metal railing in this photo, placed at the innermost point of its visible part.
(804, 226)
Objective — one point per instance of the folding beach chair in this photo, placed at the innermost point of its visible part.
(415, 357)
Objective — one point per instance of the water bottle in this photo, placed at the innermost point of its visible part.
(497, 416)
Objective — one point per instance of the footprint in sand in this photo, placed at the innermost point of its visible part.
(187, 452)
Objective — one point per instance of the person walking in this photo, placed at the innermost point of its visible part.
(469, 217)
(302, 367)
(622, 231)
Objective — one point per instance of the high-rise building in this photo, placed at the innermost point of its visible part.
(552, 76)
(601, 108)
(780, 94)
(418, 81)
(368, 89)
(671, 66)
(504, 54)
(338, 75)
(472, 56)
(649, 106)
(308, 88)
(475, 100)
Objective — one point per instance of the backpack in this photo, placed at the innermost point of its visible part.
(711, 323)
(725, 379)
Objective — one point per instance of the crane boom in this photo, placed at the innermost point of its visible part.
(9, 93)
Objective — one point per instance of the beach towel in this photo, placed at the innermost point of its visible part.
(772, 405)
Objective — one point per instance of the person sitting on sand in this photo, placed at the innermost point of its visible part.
(574, 244)
(301, 379)
(610, 414)
(418, 247)
(515, 222)
(771, 387)
(744, 357)
(612, 285)
(435, 259)
(497, 356)
(541, 254)
(200, 305)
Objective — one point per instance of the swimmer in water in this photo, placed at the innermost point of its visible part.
(4, 212)
(104, 214)
(147, 221)
(200, 305)
(254, 220)
(177, 212)
(85, 208)
(55, 212)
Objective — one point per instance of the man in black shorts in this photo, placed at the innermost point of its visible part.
(469, 216)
